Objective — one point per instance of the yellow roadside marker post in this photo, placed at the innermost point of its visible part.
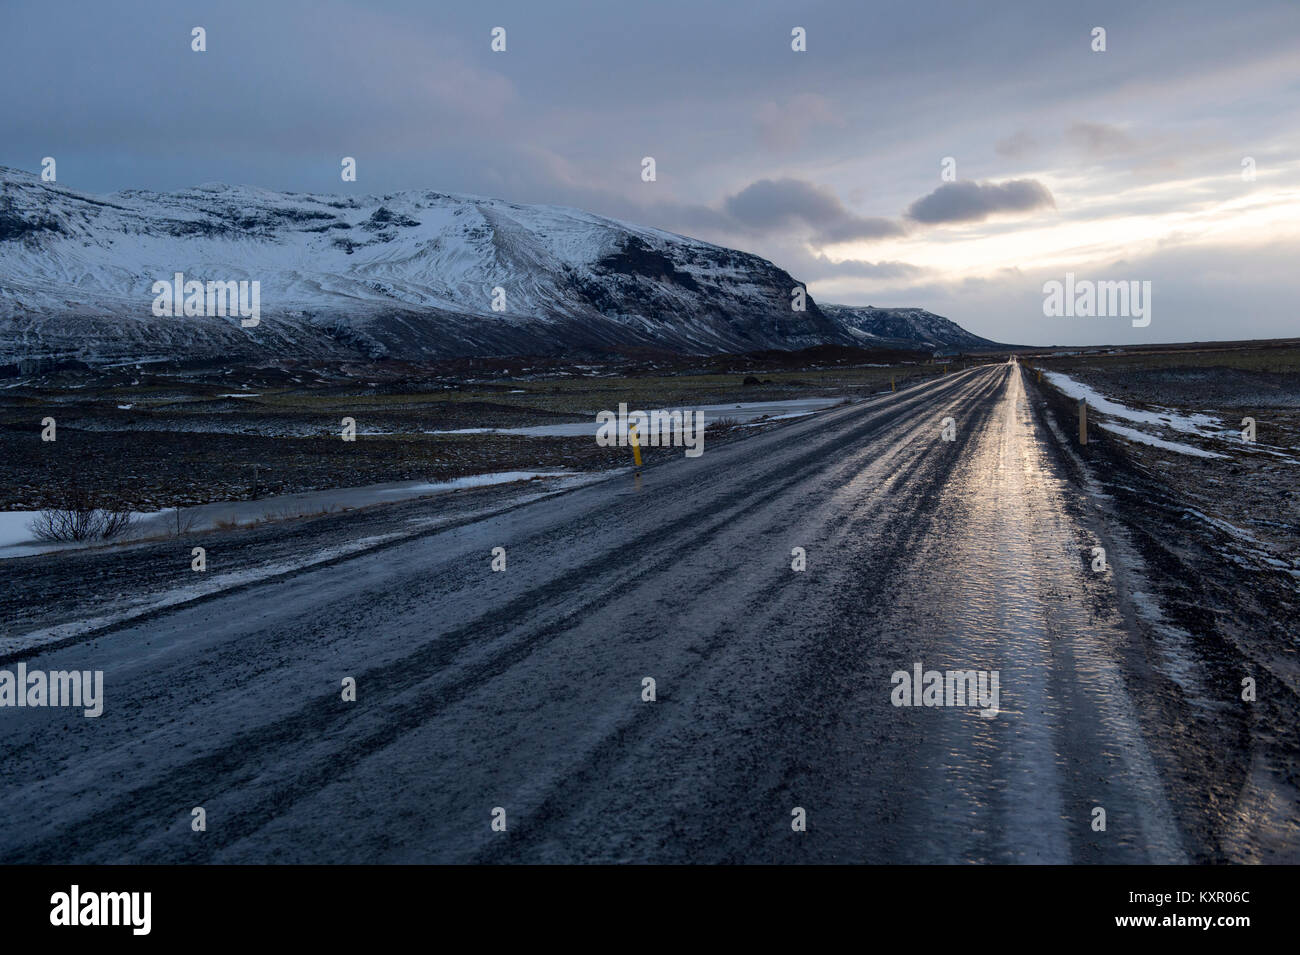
(891, 383)
(636, 448)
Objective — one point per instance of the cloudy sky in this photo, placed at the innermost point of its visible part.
(1123, 164)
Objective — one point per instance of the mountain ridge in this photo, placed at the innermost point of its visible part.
(412, 275)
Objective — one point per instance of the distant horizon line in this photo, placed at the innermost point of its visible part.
(38, 179)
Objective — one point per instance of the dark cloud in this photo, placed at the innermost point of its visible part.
(779, 204)
(971, 201)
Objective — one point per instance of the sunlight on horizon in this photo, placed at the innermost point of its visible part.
(1062, 243)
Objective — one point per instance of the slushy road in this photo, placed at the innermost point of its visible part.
(522, 689)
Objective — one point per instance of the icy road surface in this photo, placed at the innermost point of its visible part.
(522, 689)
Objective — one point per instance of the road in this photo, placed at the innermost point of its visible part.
(522, 689)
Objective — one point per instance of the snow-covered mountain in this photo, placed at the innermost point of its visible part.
(407, 275)
(874, 327)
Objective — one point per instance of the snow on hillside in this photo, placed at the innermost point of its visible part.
(407, 275)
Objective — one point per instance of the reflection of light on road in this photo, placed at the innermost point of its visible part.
(1007, 579)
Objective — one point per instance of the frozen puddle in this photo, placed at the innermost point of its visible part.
(742, 412)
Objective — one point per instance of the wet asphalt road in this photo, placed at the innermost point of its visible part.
(522, 689)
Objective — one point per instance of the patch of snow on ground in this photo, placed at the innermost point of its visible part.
(1199, 424)
(1204, 425)
(1133, 434)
